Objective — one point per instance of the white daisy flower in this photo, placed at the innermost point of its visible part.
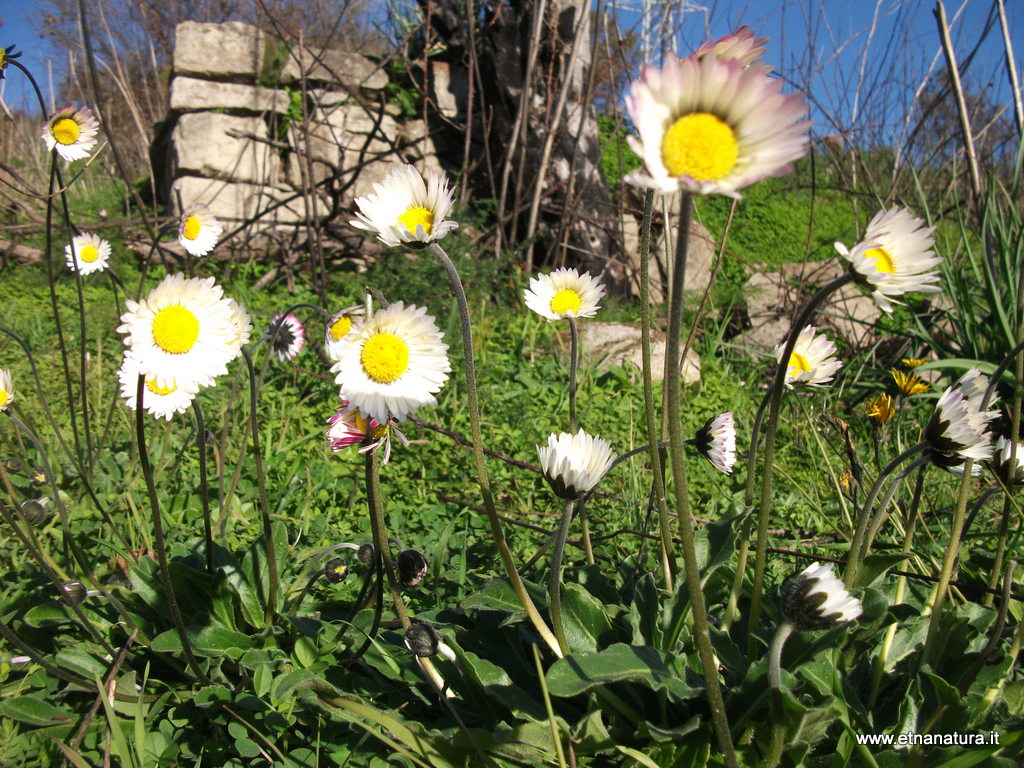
(816, 599)
(895, 257)
(574, 464)
(241, 323)
(6, 390)
(392, 363)
(716, 441)
(90, 253)
(198, 229)
(183, 332)
(811, 364)
(162, 401)
(741, 45)
(72, 132)
(958, 428)
(339, 326)
(564, 293)
(1010, 474)
(713, 126)
(286, 337)
(404, 209)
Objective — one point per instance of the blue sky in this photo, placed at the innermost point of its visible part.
(854, 76)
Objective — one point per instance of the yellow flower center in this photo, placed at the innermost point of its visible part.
(156, 389)
(380, 431)
(89, 254)
(175, 329)
(339, 328)
(883, 260)
(66, 131)
(192, 228)
(385, 357)
(565, 301)
(798, 364)
(5, 398)
(417, 216)
(699, 145)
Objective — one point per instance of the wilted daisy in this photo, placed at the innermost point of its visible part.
(816, 599)
(881, 409)
(713, 126)
(161, 400)
(909, 383)
(349, 427)
(6, 55)
(1011, 473)
(198, 229)
(72, 132)
(741, 45)
(89, 252)
(811, 364)
(339, 326)
(564, 293)
(6, 390)
(393, 363)
(404, 209)
(895, 257)
(958, 428)
(574, 464)
(716, 441)
(183, 332)
(286, 336)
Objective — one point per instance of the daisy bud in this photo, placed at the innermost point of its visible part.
(574, 464)
(365, 554)
(412, 567)
(816, 599)
(74, 592)
(1009, 474)
(335, 570)
(716, 441)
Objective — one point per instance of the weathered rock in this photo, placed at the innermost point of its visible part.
(700, 257)
(449, 89)
(236, 201)
(190, 94)
(604, 345)
(213, 145)
(333, 65)
(231, 49)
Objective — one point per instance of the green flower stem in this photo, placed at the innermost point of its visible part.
(883, 508)
(668, 558)
(774, 395)
(158, 535)
(261, 485)
(853, 557)
(478, 455)
(204, 488)
(555, 577)
(1004, 523)
(574, 365)
(380, 535)
(673, 388)
(775, 683)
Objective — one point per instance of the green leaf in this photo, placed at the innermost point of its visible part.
(28, 709)
(497, 595)
(584, 619)
(715, 544)
(48, 614)
(210, 640)
(875, 566)
(641, 664)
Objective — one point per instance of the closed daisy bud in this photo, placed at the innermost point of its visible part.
(6, 390)
(198, 229)
(895, 257)
(14, 464)
(422, 639)
(286, 337)
(412, 567)
(574, 464)
(74, 592)
(816, 599)
(405, 209)
(909, 383)
(811, 363)
(881, 409)
(72, 132)
(365, 554)
(35, 511)
(958, 428)
(87, 253)
(37, 477)
(716, 441)
(564, 293)
(709, 125)
(335, 570)
(1011, 473)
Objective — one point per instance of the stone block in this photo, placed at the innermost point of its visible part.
(607, 344)
(237, 201)
(231, 49)
(449, 89)
(209, 144)
(700, 257)
(333, 65)
(189, 95)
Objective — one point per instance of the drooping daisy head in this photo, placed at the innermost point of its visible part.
(6, 55)
(339, 326)
(958, 428)
(716, 441)
(405, 209)
(895, 257)
(574, 464)
(713, 126)
(881, 409)
(816, 599)
(183, 332)
(741, 45)
(6, 390)
(564, 293)
(393, 363)
(812, 363)
(72, 132)
(1011, 472)
(161, 400)
(286, 336)
(89, 253)
(198, 229)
